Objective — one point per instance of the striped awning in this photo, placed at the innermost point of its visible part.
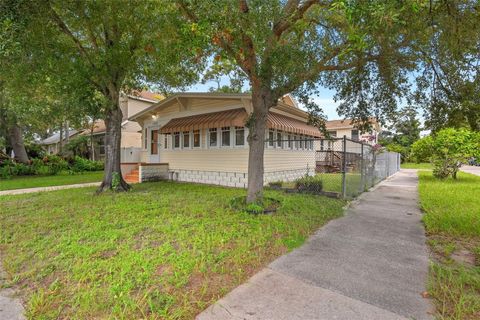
(237, 118)
(287, 124)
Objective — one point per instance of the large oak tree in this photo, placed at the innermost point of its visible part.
(294, 45)
(113, 46)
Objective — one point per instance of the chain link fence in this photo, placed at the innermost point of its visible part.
(338, 167)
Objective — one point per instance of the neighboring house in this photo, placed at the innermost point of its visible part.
(201, 137)
(52, 143)
(131, 131)
(340, 128)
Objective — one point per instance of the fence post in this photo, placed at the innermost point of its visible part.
(344, 168)
(362, 170)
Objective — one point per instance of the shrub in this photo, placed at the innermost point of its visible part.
(80, 165)
(55, 164)
(422, 150)
(450, 148)
(79, 146)
(311, 184)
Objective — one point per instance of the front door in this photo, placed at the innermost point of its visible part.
(153, 150)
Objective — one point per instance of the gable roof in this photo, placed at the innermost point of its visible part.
(346, 124)
(289, 102)
(146, 96)
(55, 138)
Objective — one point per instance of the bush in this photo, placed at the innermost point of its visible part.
(80, 165)
(10, 168)
(79, 146)
(422, 150)
(55, 164)
(311, 184)
(448, 149)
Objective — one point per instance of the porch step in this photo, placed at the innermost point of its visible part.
(133, 176)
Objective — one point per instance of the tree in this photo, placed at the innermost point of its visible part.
(421, 150)
(448, 86)
(292, 46)
(404, 131)
(451, 148)
(112, 46)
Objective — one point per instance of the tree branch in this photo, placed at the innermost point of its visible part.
(64, 28)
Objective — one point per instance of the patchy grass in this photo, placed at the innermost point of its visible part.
(452, 221)
(161, 251)
(23, 182)
(421, 166)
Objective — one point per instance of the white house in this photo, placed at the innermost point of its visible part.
(202, 137)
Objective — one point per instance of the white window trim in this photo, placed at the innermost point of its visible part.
(208, 139)
(179, 142)
(231, 138)
(182, 147)
(200, 133)
(235, 137)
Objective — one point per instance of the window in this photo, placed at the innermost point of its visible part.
(355, 135)
(212, 137)
(196, 138)
(271, 135)
(290, 142)
(226, 137)
(279, 139)
(333, 134)
(176, 140)
(154, 142)
(165, 141)
(239, 136)
(301, 142)
(296, 142)
(186, 139)
(310, 143)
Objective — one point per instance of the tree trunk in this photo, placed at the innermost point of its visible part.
(92, 146)
(112, 178)
(60, 143)
(67, 132)
(262, 101)
(15, 137)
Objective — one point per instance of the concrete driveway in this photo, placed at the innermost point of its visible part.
(370, 264)
(471, 169)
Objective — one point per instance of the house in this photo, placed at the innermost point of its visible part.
(202, 137)
(340, 128)
(52, 143)
(131, 131)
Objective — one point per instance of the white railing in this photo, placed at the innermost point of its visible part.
(131, 155)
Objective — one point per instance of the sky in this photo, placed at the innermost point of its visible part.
(324, 99)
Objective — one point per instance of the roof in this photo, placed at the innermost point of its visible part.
(146, 96)
(98, 127)
(345, 123)
(55, 138)
(289, 102)
(237, 117)
(228, 118)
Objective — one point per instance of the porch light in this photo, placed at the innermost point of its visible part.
(154, 116)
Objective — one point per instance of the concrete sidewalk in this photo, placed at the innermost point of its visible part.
(370, 264)
(471, 169)
(10, 306)
(53, 188)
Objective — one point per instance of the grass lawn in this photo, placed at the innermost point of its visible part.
(452, 221)
(164, 250)
(48, 181)
(412, 165)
